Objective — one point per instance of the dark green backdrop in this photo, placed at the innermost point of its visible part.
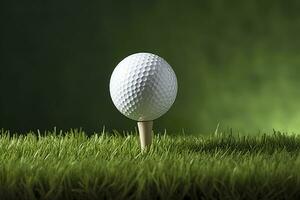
(237, 62)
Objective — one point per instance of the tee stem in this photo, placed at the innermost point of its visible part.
(145, 132)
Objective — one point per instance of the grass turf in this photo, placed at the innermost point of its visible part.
(103, 166)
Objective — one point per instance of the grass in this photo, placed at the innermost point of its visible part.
(110, 166)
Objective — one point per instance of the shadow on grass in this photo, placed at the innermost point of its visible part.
(242, 144)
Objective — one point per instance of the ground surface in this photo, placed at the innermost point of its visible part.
(223, 166)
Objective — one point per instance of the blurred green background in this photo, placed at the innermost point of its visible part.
(237, 62)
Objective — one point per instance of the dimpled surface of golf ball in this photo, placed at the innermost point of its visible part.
(143, 86)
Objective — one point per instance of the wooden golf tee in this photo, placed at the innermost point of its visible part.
(145, 132)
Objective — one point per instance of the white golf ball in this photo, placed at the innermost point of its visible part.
(143, 86)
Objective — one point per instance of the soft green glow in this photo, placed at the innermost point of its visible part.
(237, 63)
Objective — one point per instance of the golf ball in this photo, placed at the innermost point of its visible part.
(143, 86)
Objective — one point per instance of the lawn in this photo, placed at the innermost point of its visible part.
(72, 165)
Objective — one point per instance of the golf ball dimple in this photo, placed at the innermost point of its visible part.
(143, 86)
